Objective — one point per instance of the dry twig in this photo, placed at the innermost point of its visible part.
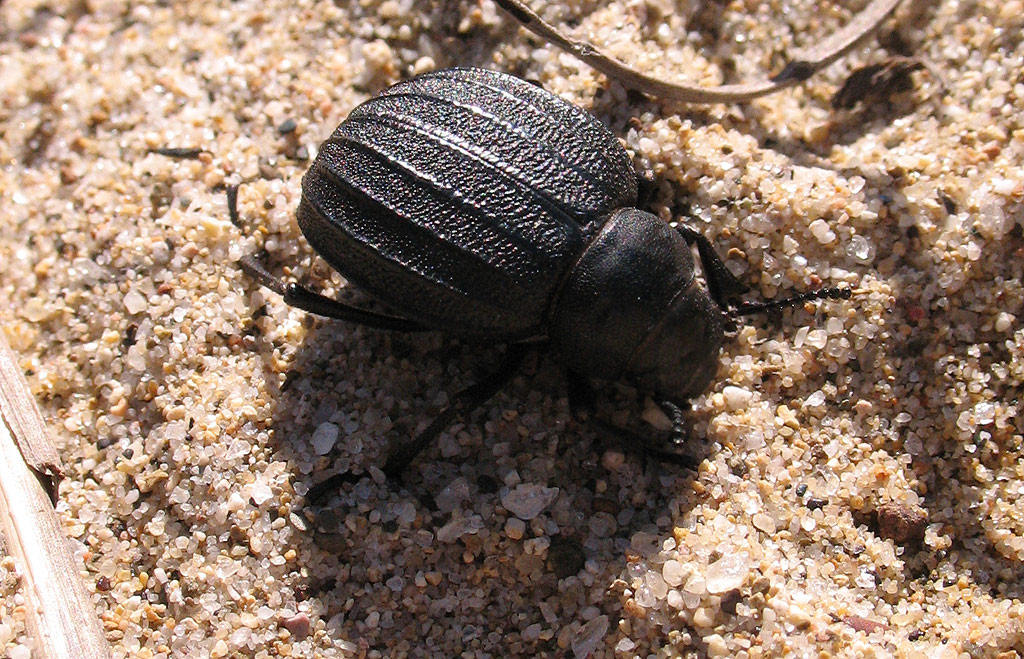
(61, 618)
(799, 69)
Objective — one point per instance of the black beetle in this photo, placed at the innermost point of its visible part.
(477, 204)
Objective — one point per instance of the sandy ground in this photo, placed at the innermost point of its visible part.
(859, 488)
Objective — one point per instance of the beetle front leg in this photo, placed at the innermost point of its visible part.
(677, 415)
(583, 398)
(722, 284)
(636, 443)
(725, 287)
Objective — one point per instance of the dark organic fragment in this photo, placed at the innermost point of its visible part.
(877, 82)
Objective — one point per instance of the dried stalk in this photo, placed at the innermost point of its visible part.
(799, 69)
(61, 618)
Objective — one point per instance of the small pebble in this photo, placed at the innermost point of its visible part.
(904, 525)
(763, 523)
(589, 636)
(514, 528)
(458, 527)
(527, 500)
(287, 126)
(672, 572)
(727, 573)
(814, 503)
(298, 624)
(736, 398)
(613, 459)
(324, 438)
(696, 584)
(703, 618)
(716, 646)
(864, 624)
(624, 645)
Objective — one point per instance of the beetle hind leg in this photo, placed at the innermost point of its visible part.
(300, 297)
(465, 402)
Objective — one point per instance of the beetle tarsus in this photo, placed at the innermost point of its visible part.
(233, 205)
(332, 483)
(251, 266)
(677, 414)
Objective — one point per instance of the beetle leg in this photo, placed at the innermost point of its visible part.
(677, 414)
(233, 205)
(642, 445)
(319, 491)
(303, 298)
(465, 402)
(725, 287)
(581, 395)
(828, 293)
(582, 398)
(722, 284)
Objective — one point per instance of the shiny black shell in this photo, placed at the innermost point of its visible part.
(462, 199)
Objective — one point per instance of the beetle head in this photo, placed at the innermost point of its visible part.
(679, 357)
(632, 309)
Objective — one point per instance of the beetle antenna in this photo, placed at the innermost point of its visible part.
(831, 293)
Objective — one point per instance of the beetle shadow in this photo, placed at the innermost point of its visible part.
(421, 550)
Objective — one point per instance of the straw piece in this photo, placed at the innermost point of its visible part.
(61, 616)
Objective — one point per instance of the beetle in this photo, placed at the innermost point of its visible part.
(477, 204)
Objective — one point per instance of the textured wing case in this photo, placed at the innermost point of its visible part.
(461, 197)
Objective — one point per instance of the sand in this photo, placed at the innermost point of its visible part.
(858, 489)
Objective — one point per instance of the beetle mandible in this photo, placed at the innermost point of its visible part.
(478, 204)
